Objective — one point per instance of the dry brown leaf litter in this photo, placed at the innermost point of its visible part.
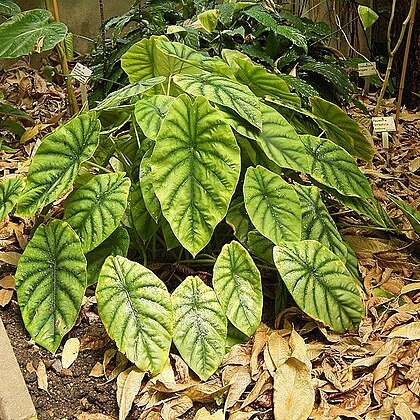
(298, 369)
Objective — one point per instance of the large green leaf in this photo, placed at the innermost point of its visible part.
(180, 51)
(10, 190)
(410, 212)
(116, 244)
(135, 308)
(30, 31)
(279, 141)
(146, 183)
(145, 60)
(291, 33)
(237, 283)
(317, 224)
(195, 168)
(223, 91)
(141, 220)
(259, 80)
(341, 129)
(127, 92)
(367, 16)
(237, 218)
(272, 205)
(57, 162)
(8, 8)
(200, 326)
(333, 166)
(209, 19)
(319, 283)
(95, 210)
(51, 282)
(150, 112)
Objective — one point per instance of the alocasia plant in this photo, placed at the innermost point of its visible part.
(212, 143)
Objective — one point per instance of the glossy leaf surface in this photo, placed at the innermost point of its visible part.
(319, 283)
(30, 31)
(57, 162)
(10, 190)
(200, 326)
(237, 283)
(223, 91)
(272, 205)
(195, 167)
(136, 309)
(95, 209)
(51, 282)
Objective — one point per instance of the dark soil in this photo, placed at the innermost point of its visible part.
(67, 396)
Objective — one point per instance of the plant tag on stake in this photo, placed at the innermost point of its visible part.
(81, 73)
(384, 125)
(367, 69)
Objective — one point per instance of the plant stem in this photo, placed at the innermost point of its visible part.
(405, 62)
(52, 6)
(394, 51)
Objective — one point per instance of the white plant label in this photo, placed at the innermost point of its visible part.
(382, 124)
(81, 73)
(367, 69)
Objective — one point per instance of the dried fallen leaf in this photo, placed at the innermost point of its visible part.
(409, 332)
(7, 282)
(41, 374)
(176, 408)
(294, 395)
(11, 258)
(5, 296)
(97, 370)
(383, 412)
(203, 414)
(402, 410)
(30, 367)
(70, 352)
(128, 385)
(239, 381)
(93, 416)
(263, 383)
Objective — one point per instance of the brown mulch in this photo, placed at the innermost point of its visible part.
(370, 373)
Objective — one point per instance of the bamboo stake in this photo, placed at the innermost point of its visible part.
(393, 52)
(52, 6)
(405, 62)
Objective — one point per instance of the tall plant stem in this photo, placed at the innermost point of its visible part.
(393, 52)
(405, 62)
(52, 6)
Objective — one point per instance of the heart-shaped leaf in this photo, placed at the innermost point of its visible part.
(10, 190)
(150, 112)
(145, 60)
(116, 244)
(223, 91)
(200, 326)
(57, 162)
(319, 283)
(95, 210)
(136, 309)
(237, 283)
(209, 19)
(272, 205)
(127, 92)
(331, 165)
(317, 224)
(195, 169)
(341, 129)
(30, 31)
(51, 282)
